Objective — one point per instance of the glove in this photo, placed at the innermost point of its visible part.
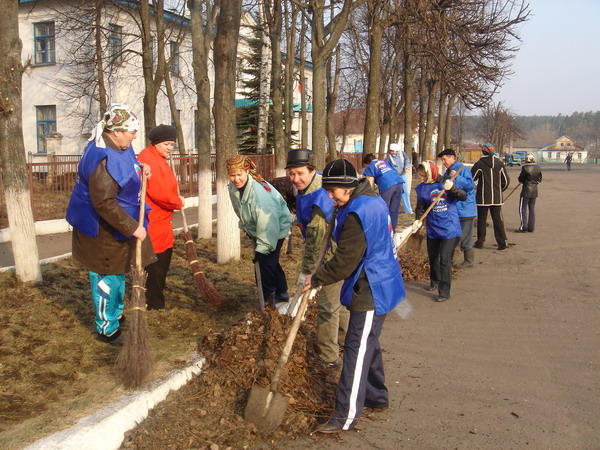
(448, 185)
(301, 279)
(416, 226)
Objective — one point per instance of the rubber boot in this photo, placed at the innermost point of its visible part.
(469, 259)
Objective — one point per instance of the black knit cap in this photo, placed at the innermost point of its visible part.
(446, 152)
(340, 173)
(162, 133)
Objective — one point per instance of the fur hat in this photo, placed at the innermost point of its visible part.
(447, 152)
(340, 173)
(530, 158)
(162, 133)
(431, 170)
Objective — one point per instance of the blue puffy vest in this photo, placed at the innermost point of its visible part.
(380, 260)
(442, 221)
(464, 181)
(124, 168)
(385, 175)
(304, 207)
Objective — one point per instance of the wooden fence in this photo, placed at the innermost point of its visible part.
(51, 183)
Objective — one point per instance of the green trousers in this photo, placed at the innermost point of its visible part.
(332, 322)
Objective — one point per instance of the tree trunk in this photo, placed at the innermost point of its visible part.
(202, 20)
(422, 116)
(290, 62)
(374, 88)
(225, 58)
(265, 83)
(12, 149)
(303, 107)
(439, 145)
(432, 89)
(332, 94)
(383, 138)
(448, 127)
(174, 116)
(100, 46)
(409, 80)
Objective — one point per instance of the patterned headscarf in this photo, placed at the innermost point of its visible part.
(241, 162)
(118, 117)
(431, 170)
(487, 149)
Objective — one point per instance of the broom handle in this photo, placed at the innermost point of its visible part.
(308, 295)
(138, 244)
(511, 192)
(183, 219)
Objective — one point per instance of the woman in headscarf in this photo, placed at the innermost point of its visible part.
(443, 225)
(265, 218)
(103, 211)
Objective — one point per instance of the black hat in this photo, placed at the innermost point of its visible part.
(339, 173)
(162, 133)
(300, 158)
(448, 152)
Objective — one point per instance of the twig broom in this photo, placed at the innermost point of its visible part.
(135, 359)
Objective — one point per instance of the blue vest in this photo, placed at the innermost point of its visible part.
(124, 168)
(385, 175)
(464, 181)
(442, 221)
(304, 207)
(380, 260)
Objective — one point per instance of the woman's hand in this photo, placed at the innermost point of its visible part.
(140, 233)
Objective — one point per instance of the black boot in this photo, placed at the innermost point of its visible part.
(469, 259)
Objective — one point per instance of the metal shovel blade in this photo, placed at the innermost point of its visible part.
(265, 408)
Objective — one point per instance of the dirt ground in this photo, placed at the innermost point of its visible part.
(512, 359)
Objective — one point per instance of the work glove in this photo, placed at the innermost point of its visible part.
(301, 279)
(416, 226)
(448, 185)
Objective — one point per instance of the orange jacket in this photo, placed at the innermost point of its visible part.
(161, 195)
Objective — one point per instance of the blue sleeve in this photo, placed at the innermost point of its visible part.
(407, 162)
(369, 170)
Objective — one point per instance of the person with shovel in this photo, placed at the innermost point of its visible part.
(467, 210)
(103, 211)
(443, 225)
(265, 218)
(530, 177)
(365, 258)
(313, 212)
(162, 197)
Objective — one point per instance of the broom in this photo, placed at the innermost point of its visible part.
(204, 287)
(135, 359)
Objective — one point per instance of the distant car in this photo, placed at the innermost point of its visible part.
(514, 160)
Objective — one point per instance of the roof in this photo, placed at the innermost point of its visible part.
(349, 121)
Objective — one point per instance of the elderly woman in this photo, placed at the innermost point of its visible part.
(265, 218)
(163, 197)
(103, 211)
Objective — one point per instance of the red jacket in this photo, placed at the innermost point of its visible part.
(161, 195)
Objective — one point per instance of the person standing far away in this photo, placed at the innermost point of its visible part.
(366, 259)
(415, 160)
(568, 160)
(401, 163)
(104, 212)
(490, 175)
(530, 177)
(467, 209)
(162, 196)
(314, 209)
(265, 218)
(388, 181)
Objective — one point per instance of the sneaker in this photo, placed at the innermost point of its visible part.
(441, 298)
(520, 231)
(328, 428)
(431, 287)
(503, 247)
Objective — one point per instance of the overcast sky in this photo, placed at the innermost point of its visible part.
(557, 69)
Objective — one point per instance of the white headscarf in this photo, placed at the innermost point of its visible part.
(118, 117)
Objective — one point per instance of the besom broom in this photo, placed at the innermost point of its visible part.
(135, 359)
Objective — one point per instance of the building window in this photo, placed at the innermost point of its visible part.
(115, 40)
(562, 144)
(579, 156)
(174, 58)
(46, 124)
(44, 43)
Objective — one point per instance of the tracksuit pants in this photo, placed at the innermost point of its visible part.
(157, 277)
(527, 213)
(392, 197)
(496, 213)
(406, 193)
(362, 381)
(440, 263)
(274, 283)
(108, 292)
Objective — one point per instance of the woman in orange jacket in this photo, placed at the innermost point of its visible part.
(162, 196)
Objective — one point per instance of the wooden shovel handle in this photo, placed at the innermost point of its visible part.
(138, 244)
(512, 192)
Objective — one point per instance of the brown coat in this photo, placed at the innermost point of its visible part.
(104, 254)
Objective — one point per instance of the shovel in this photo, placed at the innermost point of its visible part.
(266, 406)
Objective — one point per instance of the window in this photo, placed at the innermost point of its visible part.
(173, 124)
(174, 58)
(46, 124)
(579, 156)
(115, 41)
(44, 43)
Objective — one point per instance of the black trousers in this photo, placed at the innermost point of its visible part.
(362, 381)
(271, 274)
(496, 213)
(440, 263)
(527, 213)
(157, 276)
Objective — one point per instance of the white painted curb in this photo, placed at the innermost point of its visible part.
(105, 429)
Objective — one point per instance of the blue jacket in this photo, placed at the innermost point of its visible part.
(464, 181)
(304, 207)
(401, 162)
(442, 221)
(380, 260)
(384, 174)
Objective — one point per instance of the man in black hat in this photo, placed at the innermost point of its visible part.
(313, 212)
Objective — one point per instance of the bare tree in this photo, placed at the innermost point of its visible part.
(265, 82)
(12, 149)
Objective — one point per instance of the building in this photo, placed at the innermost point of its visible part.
(558, 151)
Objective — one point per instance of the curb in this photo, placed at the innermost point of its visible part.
(105, 429)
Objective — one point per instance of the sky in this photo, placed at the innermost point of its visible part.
(557, 69)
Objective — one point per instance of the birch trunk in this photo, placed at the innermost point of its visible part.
(432, 96)
(265, 83)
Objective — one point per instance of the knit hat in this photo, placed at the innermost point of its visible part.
(431, 170)
(299, 158)
(118, 117)
(395, 147)
(339, 173)
(487, 149)
(162, 133)
(447, 152)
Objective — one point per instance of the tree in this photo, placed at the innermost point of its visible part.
(225, 57)
(12, 148)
